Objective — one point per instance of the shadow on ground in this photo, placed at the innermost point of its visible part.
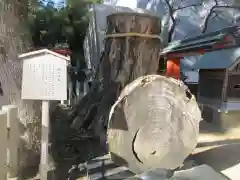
(78, 155)
(223, 155)
(70, 147)
(209, 128)
(216, 148)
(101, 168)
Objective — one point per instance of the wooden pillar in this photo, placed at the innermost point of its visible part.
(173, 68)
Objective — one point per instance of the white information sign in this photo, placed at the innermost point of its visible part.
(44, 78)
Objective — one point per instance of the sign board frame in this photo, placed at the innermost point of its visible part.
(44, 78)
(44, 75)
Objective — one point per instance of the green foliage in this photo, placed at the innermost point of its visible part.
(55, 25)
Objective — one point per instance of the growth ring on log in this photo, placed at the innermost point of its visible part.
(153, 124)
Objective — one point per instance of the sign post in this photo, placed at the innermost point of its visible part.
(45, 140)
(44, 78)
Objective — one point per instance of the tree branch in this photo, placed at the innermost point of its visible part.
(204, 28)
(212, 11)
(174, 21)
(171, 14)
(171, 31)
(171, 10)
(192, 5)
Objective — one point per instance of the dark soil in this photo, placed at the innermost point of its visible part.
(70, 148)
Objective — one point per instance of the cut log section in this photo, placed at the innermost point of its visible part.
(153, 124)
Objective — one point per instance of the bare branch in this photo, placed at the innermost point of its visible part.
(171, 14)
(205, 25)
(192, 5)
(171, 31)
(212, 11)
(214, 15)
(170, 9)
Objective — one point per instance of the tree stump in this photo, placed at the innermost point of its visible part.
(153, 124)
(124, 59)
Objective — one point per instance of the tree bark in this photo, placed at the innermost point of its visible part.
(124, 59)
(15, 39)
(153, 124)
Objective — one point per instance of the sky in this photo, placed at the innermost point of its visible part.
(56, 1)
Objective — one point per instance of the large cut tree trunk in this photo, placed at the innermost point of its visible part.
(153, 124)
(15, 39)
(124, 59)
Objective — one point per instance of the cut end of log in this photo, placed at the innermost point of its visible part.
(153, 124)
(134, 23)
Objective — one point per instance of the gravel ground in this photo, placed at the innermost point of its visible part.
(77, 156)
